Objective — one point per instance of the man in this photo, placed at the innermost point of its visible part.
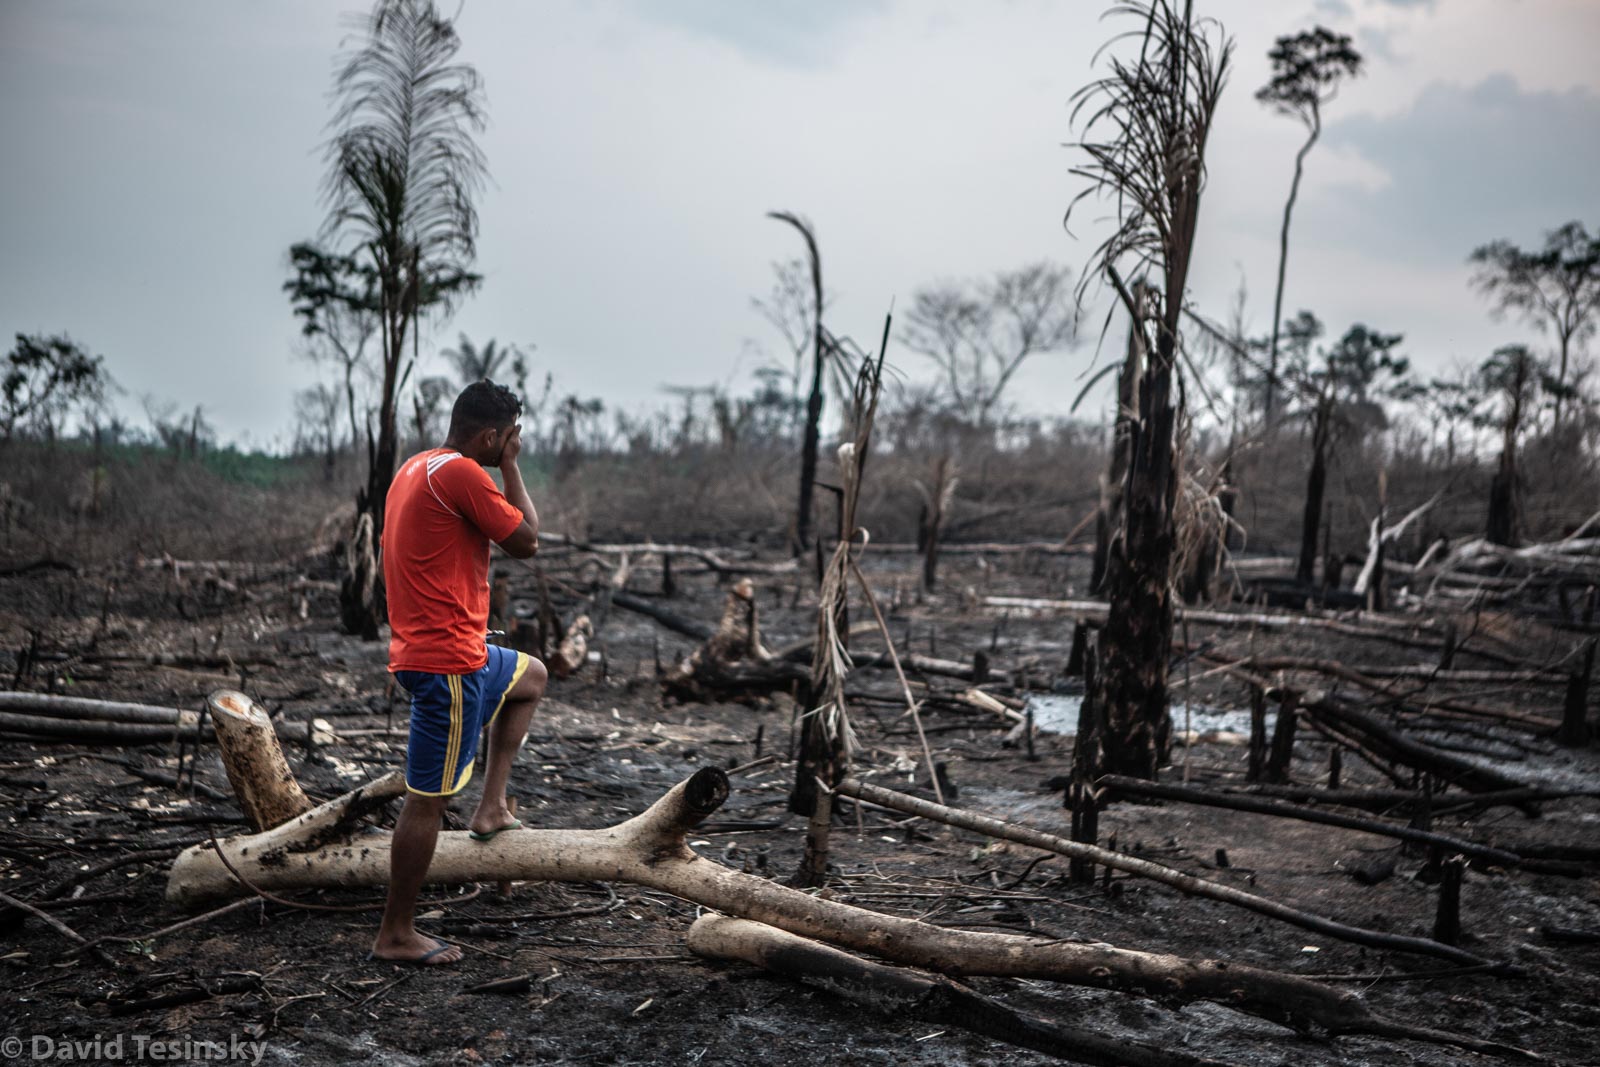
(443, 510)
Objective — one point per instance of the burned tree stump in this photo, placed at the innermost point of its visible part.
(265, 787)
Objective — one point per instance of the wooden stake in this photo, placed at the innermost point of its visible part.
(1283, 739)
(1575, 728)
(1258, 734)
(1447, 922)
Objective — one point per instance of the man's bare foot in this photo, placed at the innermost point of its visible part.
(415, 949)
(492, 819)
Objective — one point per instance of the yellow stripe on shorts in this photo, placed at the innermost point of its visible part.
(452, 751)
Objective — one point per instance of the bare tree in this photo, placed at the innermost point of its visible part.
(819, 348)
(789, 307)
(336, 299)
(980, 332)
(1145, 133)
(317, 423)
(403, 170)
(1556, 288)
(1306, 71)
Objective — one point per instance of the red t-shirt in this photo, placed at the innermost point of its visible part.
(442, 512)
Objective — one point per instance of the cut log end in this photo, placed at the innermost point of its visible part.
(266, 788)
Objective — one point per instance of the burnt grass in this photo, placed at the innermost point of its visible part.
(614, 984)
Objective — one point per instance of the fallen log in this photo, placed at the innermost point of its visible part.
(46, 716)
(62, 707)
(710, 558)
(262, 782)
(1335, 669)
(988, 548)
(688, 627)
(1394, 745)
(1138, 787)
(900, 993)
(1405, 800)
(44, 728)
(1188, 883)
(651, 850)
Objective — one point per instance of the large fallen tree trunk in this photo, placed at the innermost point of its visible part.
(651, 850)
(898, 993)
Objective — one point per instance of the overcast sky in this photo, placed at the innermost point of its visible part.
(160, 157)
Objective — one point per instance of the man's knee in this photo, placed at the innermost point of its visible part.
(425, 807)
(531, 685)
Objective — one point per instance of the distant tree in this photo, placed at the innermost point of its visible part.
(980, 332)
(428, 399)
(42, 379)
(790, 308)
(403, 172)
(1307, 68)
(336, 299)
(1511, 380)
(317, 423)
(185, 436)
(1339, 393)
(1556, 288)
(1450, 404)
(471, 362)
(1150, 119)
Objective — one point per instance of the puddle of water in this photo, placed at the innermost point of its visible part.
(1057, 713)
(1559, 768)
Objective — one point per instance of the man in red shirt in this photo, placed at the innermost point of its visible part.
(442, 512)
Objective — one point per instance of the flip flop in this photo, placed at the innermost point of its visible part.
(492, 834)
(419, 961)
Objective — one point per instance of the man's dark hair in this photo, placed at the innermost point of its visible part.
(483, 405)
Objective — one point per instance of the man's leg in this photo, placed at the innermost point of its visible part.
(416, 833)
(505, 737)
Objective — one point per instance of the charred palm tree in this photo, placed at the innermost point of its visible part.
(1306, 71)
(1145, 128)
(403, 169)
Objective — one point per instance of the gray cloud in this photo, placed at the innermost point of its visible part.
(1379, 44)
(1466, 165)
(794, 32)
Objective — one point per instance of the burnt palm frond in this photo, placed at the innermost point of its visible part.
(403, 167)
(1144, 126)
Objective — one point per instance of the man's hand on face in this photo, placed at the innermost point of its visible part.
(512, 448)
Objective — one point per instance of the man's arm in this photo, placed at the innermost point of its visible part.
(524, 540)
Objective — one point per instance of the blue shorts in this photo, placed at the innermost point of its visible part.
(448, 713)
